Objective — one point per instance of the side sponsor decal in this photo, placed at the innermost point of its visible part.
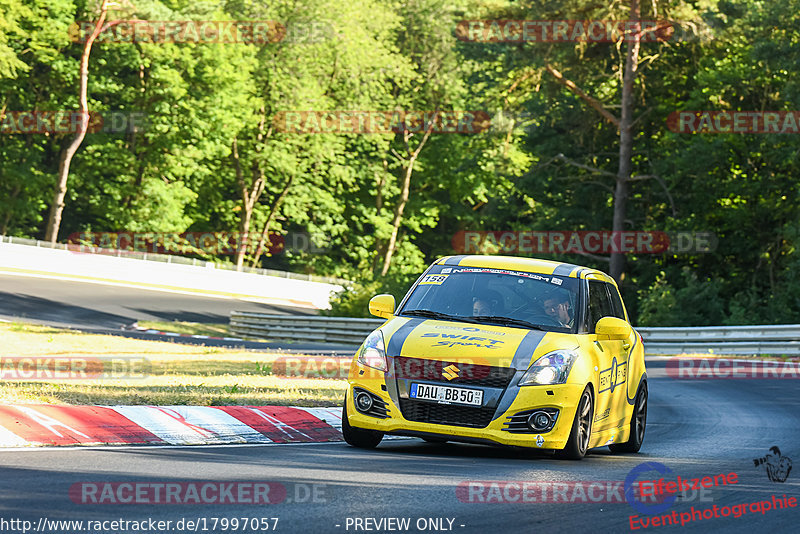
(614, 376)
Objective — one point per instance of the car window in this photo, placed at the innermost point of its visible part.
(599, 304)
(477, 293)
(616, 302)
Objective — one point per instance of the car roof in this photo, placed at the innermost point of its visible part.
(530, 265)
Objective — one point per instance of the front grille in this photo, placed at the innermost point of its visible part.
(446, 414)
(468, 374)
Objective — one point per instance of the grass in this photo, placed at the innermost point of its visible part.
(153, 373)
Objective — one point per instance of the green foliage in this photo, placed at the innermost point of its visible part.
(694, 302)
(177, 172)
(353, 301)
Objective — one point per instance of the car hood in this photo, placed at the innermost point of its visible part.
(479, 344)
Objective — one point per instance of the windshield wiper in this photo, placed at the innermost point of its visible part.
(436, 315)
(507, 321)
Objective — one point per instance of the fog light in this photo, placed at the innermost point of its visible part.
(363, 402)
(539, 420)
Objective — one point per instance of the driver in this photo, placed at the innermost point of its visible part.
(558, 308)
(486, 304)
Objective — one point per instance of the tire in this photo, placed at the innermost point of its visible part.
(578, 442)
(638, 424)
(359, 437)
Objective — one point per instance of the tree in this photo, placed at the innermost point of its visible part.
(57, 207)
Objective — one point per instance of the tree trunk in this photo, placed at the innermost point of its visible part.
(398, 217)
(249, 199)
(404, 193)
(381, 181)
(57, 208)
(617, 266)
(264, 237)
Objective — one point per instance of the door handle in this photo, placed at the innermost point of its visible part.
(626, 345)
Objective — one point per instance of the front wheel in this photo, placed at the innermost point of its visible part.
(638, 422)
(359, 437)
(578, 442)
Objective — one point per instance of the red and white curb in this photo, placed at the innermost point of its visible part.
(35, 425)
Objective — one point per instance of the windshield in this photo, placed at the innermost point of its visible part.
(496, 296)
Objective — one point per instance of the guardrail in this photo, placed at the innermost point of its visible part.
(768, 339)
(761, 339)
(317, 329)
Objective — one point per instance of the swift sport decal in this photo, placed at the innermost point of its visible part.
(467, 329)
(456, 340)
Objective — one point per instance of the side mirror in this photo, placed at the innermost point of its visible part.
(612, 328)
(382, 306)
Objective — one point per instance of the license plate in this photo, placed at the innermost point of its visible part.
(446, 394)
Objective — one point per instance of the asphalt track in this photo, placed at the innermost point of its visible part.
(106, 309)
(86, 304)
(695, 428)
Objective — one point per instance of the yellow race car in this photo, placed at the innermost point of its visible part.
(502, 350)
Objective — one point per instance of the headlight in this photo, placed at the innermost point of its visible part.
(373, 352)
(552, 368)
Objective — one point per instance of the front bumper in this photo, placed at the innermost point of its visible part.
(563, 397)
